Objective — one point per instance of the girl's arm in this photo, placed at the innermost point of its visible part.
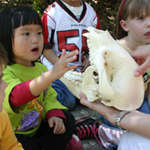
(134, 121)
(27, 91)
(41, 83)
(137, 122)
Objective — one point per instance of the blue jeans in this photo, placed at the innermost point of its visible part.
(145, 108)
(64, 96)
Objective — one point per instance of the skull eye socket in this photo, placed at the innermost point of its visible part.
(95, 73)
(95, 77)
(107, 101)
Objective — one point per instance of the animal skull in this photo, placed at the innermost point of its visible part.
(110, 75)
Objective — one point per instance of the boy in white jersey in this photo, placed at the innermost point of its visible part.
(64, 22)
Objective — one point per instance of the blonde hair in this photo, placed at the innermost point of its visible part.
(131, 9)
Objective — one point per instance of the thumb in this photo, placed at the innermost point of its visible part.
(140, 52)
(63, 52)
(142, 68)
(51, 123)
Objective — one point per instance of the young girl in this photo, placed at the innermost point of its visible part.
(133, 30)
(39, 121)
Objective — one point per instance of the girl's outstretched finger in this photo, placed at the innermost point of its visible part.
(70, 54)
(71, 58)
(72, 67)
(63, 52)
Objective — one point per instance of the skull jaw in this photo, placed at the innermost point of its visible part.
(84, 82)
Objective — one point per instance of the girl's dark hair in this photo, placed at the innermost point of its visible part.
(12, 18)
(131, 9)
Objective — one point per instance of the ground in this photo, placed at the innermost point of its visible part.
(82, 111)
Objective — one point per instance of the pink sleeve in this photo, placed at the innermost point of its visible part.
(21, 94)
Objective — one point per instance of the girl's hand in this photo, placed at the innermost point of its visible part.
(58, 125)
(62, 65)
(142, 57)
(109, 113)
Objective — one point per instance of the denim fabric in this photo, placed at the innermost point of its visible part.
(64, 96)
(145, 108)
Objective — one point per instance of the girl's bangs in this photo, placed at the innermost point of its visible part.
(25, 18)
(139, 9)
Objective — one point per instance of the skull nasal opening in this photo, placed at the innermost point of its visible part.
(95, 77)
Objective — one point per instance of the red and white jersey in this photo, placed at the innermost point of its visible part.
(62, 30)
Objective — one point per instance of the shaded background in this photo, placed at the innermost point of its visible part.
(106, 9)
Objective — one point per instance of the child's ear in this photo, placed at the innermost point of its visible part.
(124, 25)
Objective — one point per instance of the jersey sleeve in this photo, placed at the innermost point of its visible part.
(97, 22)
(93, 15)
(48, 29)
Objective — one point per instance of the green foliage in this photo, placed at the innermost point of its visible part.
(37, 6)
(106, 9)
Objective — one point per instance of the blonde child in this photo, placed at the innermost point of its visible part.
(133, 30)
(39, 121)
